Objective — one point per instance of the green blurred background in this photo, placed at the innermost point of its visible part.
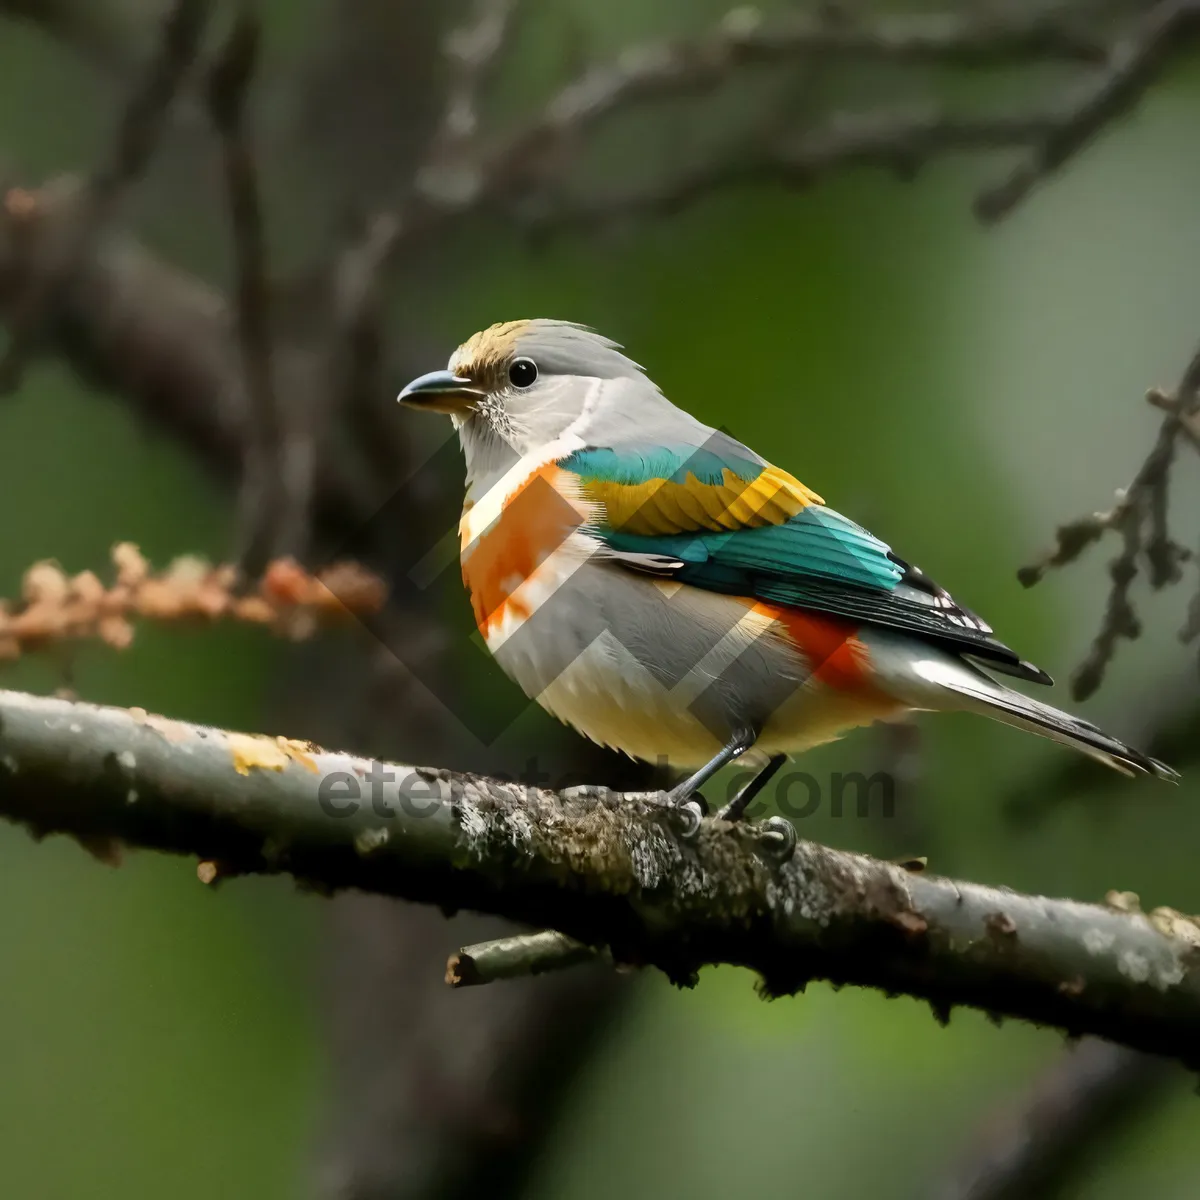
(959, 390)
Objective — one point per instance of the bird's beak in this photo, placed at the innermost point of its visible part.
(441, 391)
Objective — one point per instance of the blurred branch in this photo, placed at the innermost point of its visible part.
(524, 171)
(57, 608)
(605, 868)
(1136, 62)
(278, 450)
(161, 339)
(887, 139)
(459, 1098)
(127, 322)
(1028, 1151)
(445, 180)
(512, 178)
(135, 141)
(1140, 518)
(106, 33)
(745, 38)
(472, 51)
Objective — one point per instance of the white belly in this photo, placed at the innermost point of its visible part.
(631, 664)
(612, 698)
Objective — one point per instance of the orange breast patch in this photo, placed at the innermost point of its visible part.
(536, 520)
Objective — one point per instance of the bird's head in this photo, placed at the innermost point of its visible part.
(519, 386)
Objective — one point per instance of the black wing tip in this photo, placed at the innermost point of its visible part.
(1134, 762)
(1160, 770)
(1035, 674)
(996, 656)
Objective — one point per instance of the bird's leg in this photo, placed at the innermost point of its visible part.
(736, 808)
(737, 745)
(682, 796)
(780, 833)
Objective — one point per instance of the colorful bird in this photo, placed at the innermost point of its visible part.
(669, 593)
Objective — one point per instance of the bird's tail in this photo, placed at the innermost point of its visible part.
(979, 692)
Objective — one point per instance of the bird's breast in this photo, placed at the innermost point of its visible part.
(515, 560)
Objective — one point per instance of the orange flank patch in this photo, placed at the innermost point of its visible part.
(536, 520)
(837, 656)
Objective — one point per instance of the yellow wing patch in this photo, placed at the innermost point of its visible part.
(660, 506)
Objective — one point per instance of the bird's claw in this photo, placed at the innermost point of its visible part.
(778, 838)
(686, 817)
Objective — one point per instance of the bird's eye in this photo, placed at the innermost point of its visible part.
(523, 372)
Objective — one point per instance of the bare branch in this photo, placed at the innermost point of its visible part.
(604, 868)
(1140, 517)
(136, 138)
(1136, 63)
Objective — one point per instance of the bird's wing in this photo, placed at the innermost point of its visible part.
(720, 518)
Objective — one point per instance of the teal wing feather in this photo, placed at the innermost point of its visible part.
(815, 559)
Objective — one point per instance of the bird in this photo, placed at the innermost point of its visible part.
(670, 593)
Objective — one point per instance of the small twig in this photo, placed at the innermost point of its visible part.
(1140, 516)
(57, 609)
(513, 957)
(1120, 619)
(1029, 1151)
(1072, 539)
(135, 141)
(1135, 64)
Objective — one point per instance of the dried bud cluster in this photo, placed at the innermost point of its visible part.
(56, 607)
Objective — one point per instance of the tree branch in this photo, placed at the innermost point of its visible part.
(1033, 1148)
(1136, 62)
(519, 164)
(136, 139)
(1140, 518)
(271, 513)
(603, 867)
(888, 139)
(744, 38)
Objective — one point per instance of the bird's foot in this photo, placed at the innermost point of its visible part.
(777, 838)
(687, 811)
